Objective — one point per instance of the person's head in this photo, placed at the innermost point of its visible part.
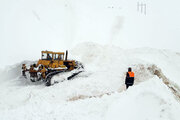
(34, 65)
(129, 69)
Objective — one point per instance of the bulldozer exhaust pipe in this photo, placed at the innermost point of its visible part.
(66, 55)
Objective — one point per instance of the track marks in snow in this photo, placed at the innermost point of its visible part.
(174, 88)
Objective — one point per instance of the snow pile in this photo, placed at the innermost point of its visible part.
(150, 100)
(99, 92)
(30, 26)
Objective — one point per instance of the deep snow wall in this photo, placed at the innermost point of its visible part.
(27, 27)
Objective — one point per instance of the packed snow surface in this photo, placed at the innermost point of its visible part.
(99, 92)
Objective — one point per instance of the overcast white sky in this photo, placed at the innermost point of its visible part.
(29, 26)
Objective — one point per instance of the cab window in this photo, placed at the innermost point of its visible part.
(47, 56)
(58, 56)
(44, 56)
(61, 56)
(55, 56)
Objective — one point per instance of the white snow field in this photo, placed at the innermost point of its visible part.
(29, 26)
(99, 92)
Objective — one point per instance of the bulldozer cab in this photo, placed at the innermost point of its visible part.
(52, 59)
(48, 55)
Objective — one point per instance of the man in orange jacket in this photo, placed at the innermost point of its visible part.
(129, 78)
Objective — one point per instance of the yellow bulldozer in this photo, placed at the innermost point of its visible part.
(50, 64)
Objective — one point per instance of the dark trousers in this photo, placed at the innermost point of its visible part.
(127, 85)
(23, 73)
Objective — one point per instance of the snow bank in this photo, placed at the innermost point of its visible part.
(151, 100)
(99, 92)
(148, 100)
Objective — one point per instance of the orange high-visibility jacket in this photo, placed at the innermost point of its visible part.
(129, 78)
(131, 74)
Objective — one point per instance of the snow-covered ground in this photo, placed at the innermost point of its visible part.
(99, 92)
(29, 26)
